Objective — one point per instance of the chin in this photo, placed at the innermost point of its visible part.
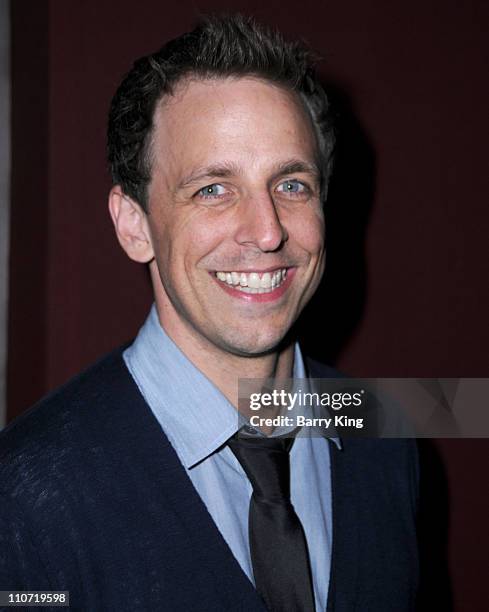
(254, 346)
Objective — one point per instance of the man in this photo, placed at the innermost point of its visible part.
(129, 486)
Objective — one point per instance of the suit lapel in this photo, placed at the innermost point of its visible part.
(346, 517)
(346, 542)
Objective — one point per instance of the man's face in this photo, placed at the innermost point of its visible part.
(235, 216)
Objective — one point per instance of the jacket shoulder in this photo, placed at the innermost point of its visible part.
(68, 418)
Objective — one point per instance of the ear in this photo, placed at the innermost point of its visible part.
(131, 226)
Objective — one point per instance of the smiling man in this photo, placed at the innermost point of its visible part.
(234, 234)
(130, 487)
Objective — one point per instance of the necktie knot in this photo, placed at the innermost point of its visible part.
(266, 463)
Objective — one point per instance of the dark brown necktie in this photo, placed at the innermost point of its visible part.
(278, 545)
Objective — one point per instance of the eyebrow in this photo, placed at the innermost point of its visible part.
(224, 170)
(296, 166)
(227, 169)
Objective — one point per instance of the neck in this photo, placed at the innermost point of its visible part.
(226, 370)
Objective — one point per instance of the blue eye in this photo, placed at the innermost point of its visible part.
(211, 191)
(292, 186)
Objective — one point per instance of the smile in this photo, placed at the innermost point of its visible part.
(254, 282)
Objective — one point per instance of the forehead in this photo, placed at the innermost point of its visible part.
(245, 120)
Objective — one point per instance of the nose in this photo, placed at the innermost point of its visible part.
(260, 224)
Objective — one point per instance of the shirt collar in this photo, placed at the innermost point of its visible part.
(195, 415)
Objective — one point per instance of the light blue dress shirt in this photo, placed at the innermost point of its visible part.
(198, 420)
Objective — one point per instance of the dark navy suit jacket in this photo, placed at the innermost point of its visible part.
(94, 500)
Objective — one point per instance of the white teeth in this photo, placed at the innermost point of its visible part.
(276, 279)
(266, 281)
(252, 282)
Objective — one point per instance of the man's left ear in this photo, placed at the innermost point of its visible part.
(131, 226)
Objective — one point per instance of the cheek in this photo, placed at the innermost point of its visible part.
(210, 236)
(198, 242)
(180, 234)
(309, 232)
(165, 245)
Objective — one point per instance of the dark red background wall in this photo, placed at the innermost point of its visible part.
(407, 291)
